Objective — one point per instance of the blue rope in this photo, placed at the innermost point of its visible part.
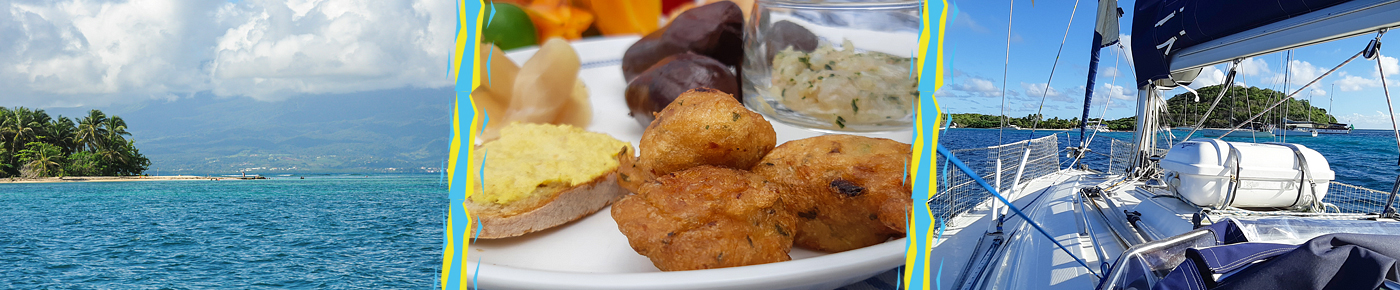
(961, 166)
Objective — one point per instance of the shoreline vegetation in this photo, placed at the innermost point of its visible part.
(34, 145)
(1183, 109)
(120, 178)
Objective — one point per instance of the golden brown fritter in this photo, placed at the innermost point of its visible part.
(701, 127)
(847, 191)
(706, 217)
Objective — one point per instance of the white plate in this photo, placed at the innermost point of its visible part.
(592, 254)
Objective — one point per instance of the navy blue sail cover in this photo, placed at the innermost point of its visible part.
(1163, 27)
(1328, 262)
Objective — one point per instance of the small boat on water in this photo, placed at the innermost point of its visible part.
(1098, 128)
(1294, 132)
(1220, 132)
(1294, 129)
(1253, 130)
(1334, 128)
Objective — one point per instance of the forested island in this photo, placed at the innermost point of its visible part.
(1235, 107)
(36, 145)
(1238, 105)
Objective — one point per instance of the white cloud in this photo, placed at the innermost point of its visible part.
(1209, 76)
(1299, 73)
(978, 86)
(1126, 43)
(1254, 67)
(1390, 65)
(1379, 120)
(334, 47)
(1115, 92)
(1351, 83)
(1110, 72)
(1035, 91)
(972, 86)
(87, 53)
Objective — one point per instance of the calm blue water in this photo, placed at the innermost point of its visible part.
(377, 232)
(1367, 158)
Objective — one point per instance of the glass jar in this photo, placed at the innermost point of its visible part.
(833, 66)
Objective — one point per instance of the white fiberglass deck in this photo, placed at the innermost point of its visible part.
(1027, 259)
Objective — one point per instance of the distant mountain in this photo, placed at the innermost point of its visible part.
(390, 131)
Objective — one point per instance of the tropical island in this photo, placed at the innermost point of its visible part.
(36, 145)
(1183, 109)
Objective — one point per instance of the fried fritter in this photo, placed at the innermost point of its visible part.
(847, 191)
(701, 127)
(706, 217)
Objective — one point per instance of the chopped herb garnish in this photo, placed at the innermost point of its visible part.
(854, 108)
(828, 67)
(841, 122)
(735, 115)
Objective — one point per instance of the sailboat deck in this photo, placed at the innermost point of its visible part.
(1095, 229)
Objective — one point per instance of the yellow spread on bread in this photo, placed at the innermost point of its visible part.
(531, 156)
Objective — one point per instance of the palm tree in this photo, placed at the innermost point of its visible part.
(63, 132)
(41, 160)
(5, 120)
(116, 129)
(91, 130)
(20, 126)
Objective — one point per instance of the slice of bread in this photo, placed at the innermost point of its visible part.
(538, 176)
(554, 206)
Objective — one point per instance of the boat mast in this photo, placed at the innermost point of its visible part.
(1105, 33)
(1146, 134)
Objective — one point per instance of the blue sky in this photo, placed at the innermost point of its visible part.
(978, 39)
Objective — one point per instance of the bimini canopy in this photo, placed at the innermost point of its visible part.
(1178, 35)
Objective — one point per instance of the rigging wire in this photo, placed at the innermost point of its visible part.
(1289, 96)
(1229, 78)
(1248, 106)
(1010, 11)
(1118, 55)
(1283, 119)
(1376, 45)
(1041, 109)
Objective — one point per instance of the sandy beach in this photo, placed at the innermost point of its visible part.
(116, 178)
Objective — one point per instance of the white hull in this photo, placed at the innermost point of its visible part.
(1333, 131)
(1218, 132)
(1295, 132)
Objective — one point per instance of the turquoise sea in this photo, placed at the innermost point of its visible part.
(342, 231)
(1366, 158)
(321, 232)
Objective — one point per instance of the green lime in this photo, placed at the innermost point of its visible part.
(510, 28)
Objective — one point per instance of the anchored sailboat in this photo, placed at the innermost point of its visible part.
(1169, 216)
